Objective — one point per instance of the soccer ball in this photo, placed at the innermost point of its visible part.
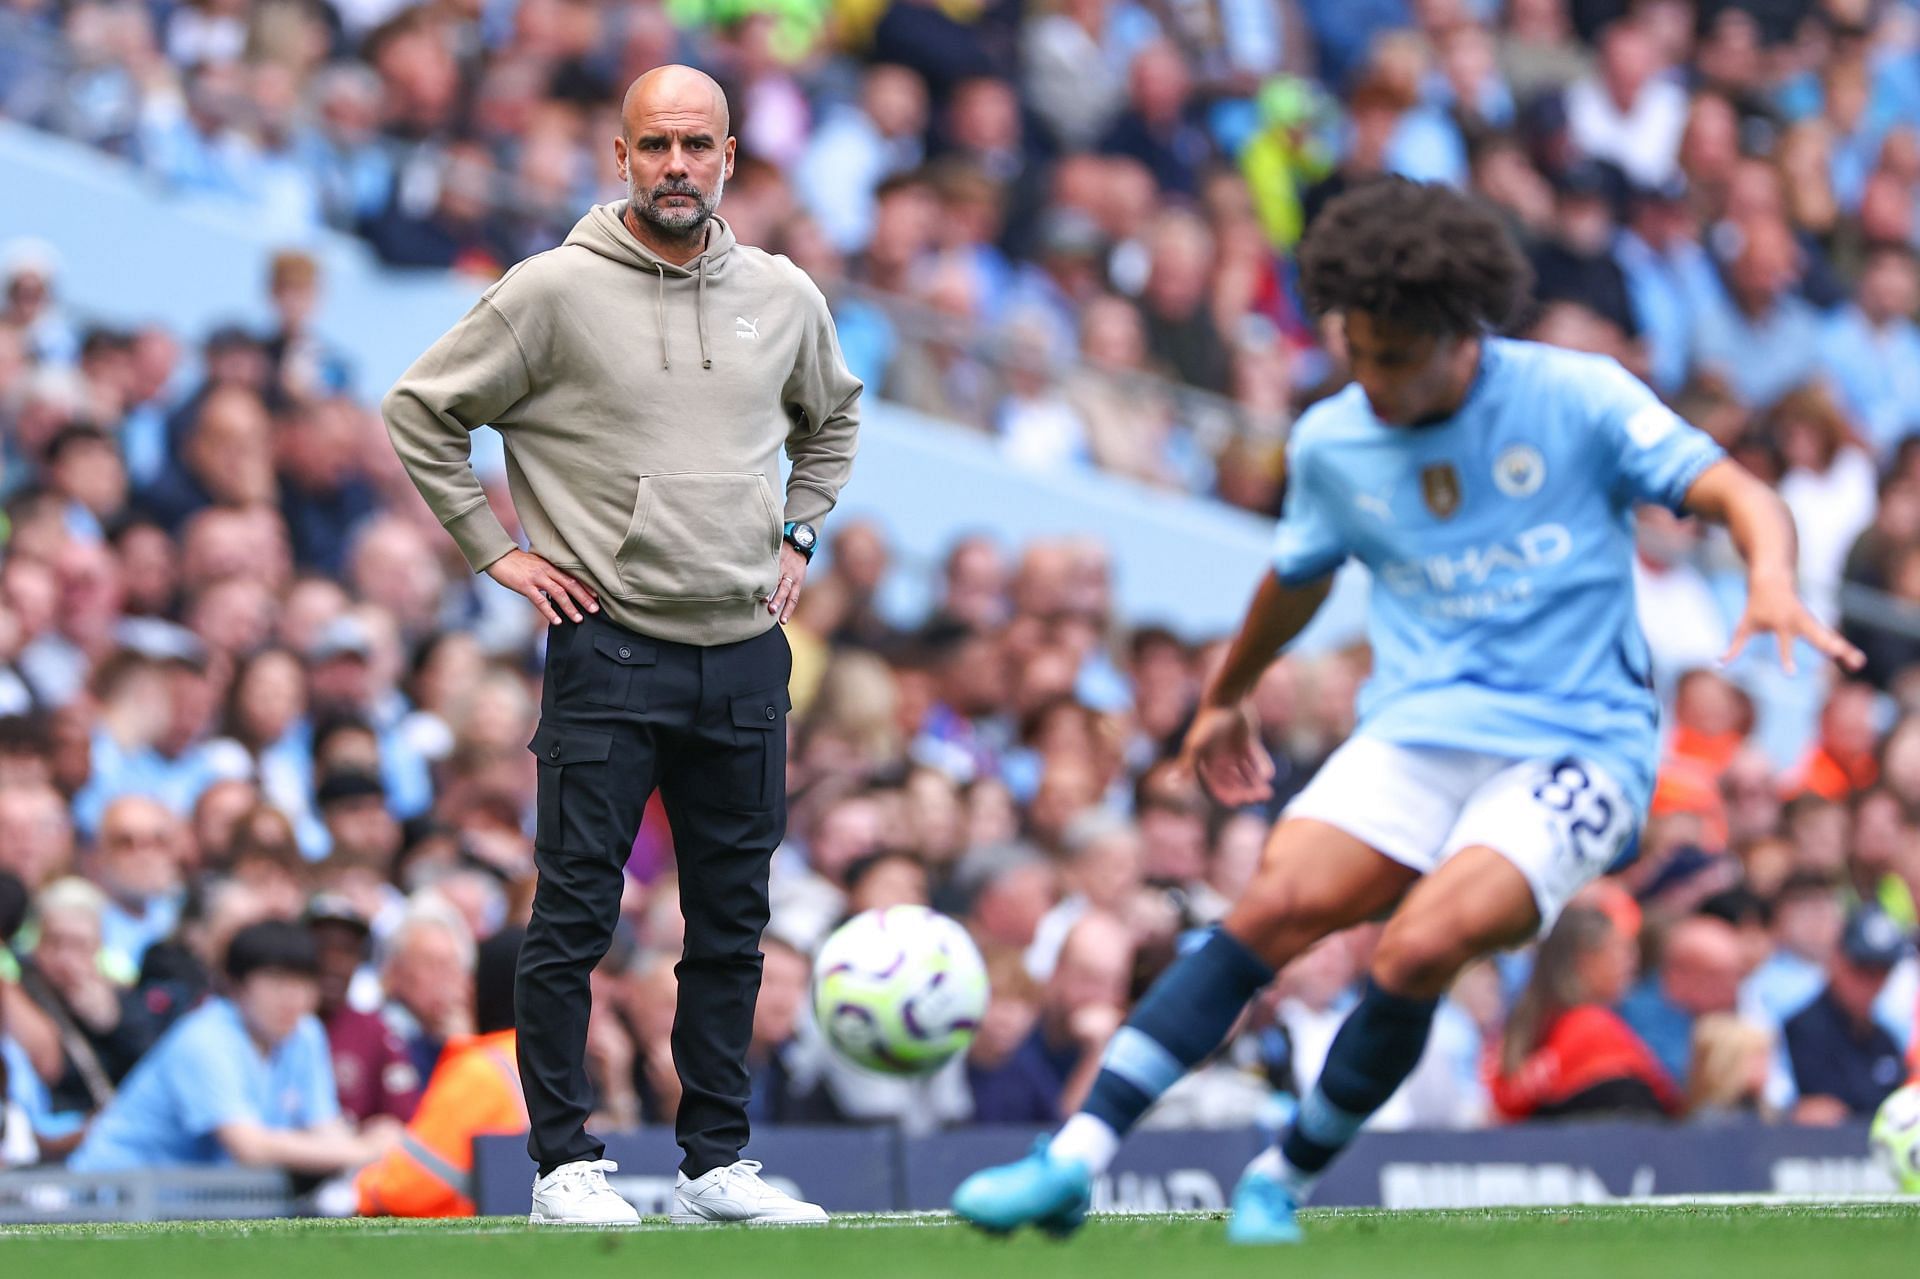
(899, 990)
(1895, 1137)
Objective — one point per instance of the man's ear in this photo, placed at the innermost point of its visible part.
(620, 157)
(732, 143)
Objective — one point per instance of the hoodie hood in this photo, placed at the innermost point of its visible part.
(604, 231)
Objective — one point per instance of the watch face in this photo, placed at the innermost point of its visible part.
(803, 536)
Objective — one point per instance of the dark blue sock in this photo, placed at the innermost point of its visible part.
(1377, 1048)
(1181, 1020)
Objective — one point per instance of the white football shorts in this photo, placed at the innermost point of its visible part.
(1561, 822)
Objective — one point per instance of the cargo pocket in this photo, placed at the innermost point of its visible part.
(612, 679)
(574, 809)
(757, 770)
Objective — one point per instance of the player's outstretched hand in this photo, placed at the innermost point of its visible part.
(525, 573)
(1773, 608)
(1224, 750)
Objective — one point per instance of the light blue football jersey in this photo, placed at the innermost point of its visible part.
(1501, 546)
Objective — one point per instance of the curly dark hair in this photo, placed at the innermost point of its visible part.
(1419, 254)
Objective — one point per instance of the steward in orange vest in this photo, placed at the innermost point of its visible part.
(474, 1091)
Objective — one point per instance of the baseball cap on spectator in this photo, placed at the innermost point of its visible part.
(335, 908)
(345, 785)
(160, 641)
(1685, 862)
(1669, 190)
(1593, 180)
(342, 637)
(1873, 939)
(1585, 178)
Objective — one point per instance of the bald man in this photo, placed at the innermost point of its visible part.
(1700, 968)
(644, 377)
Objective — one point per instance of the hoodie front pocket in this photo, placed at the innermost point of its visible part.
(700, 536)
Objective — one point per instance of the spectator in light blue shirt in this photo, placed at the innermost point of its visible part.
(147, 740)
(1757, 333)
(1807, 918)
(1666, 272)
(343, 686)
(341, 149)
(246, 1080)
(137, 864)
(857, 148)
(1871, 349)
(1698, 972)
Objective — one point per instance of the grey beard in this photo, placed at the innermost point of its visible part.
(676, 225)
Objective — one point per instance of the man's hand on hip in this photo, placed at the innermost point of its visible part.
(525, 573)
(793, 575)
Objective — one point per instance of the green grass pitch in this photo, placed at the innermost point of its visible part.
(1841, 1241)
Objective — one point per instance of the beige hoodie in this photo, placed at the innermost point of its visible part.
(643, 406)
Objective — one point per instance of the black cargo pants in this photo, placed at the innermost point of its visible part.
(619, 715)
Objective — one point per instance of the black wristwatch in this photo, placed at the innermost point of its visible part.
(801, 538)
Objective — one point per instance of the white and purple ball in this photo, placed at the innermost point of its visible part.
(900, 990)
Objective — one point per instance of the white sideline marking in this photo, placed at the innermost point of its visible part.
(143, 1231)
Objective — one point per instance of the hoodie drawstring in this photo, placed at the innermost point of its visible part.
(660, 299)
(699, 315)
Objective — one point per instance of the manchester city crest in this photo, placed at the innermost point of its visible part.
(1519, 470)
(1440, 487)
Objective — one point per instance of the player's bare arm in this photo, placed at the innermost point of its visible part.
(1223, 744)
(1762, 529)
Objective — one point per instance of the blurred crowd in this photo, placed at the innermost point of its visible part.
(1069, 224)
(248, 690)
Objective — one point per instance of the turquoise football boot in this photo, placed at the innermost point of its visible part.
(1263, 1211)
(1042, 1191)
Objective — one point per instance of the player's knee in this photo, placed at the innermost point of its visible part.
(1277, 919)
(1419, 960)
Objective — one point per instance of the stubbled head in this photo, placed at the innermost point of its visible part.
(674, 151)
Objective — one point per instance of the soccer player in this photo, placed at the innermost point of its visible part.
(1506, 742)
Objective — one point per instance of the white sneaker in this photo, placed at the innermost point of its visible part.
(577, 1194)
(736, 1193)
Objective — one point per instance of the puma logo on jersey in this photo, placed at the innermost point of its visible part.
(745, 328)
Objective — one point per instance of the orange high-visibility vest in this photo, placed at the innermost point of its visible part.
(1913, 1048)
(475, 1090)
